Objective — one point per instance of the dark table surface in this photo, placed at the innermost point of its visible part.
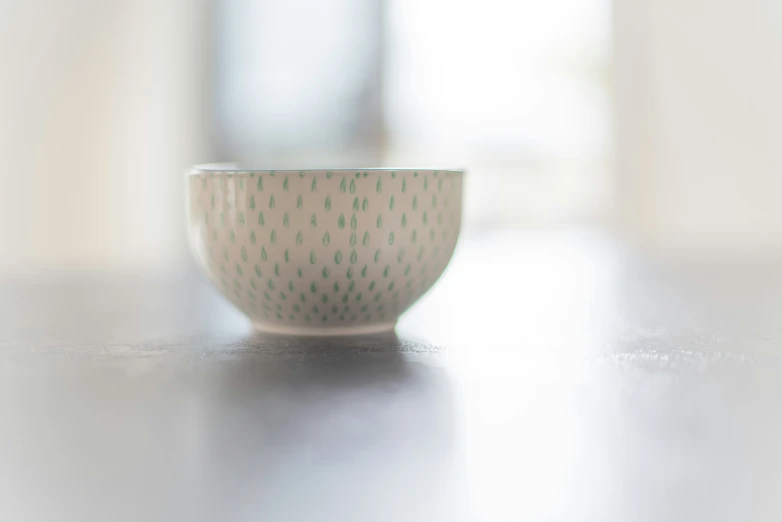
(550, 375)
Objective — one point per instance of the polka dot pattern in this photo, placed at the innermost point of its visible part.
(320, 250)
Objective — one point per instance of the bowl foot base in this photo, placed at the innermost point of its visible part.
(325, 330)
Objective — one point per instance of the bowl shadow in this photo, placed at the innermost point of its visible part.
(343, 428)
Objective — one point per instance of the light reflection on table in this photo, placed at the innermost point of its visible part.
(550, 375)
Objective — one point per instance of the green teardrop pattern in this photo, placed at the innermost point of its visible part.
(221, 202)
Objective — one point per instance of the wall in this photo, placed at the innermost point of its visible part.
(102, 108)
(699, 121)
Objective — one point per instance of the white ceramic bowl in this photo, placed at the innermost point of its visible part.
(323, 252)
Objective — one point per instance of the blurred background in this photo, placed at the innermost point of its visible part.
(656, 119)
(576, 380)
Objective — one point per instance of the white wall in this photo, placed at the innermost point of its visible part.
(101, 108)
(699, 133)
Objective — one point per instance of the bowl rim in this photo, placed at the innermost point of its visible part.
(232, 168)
